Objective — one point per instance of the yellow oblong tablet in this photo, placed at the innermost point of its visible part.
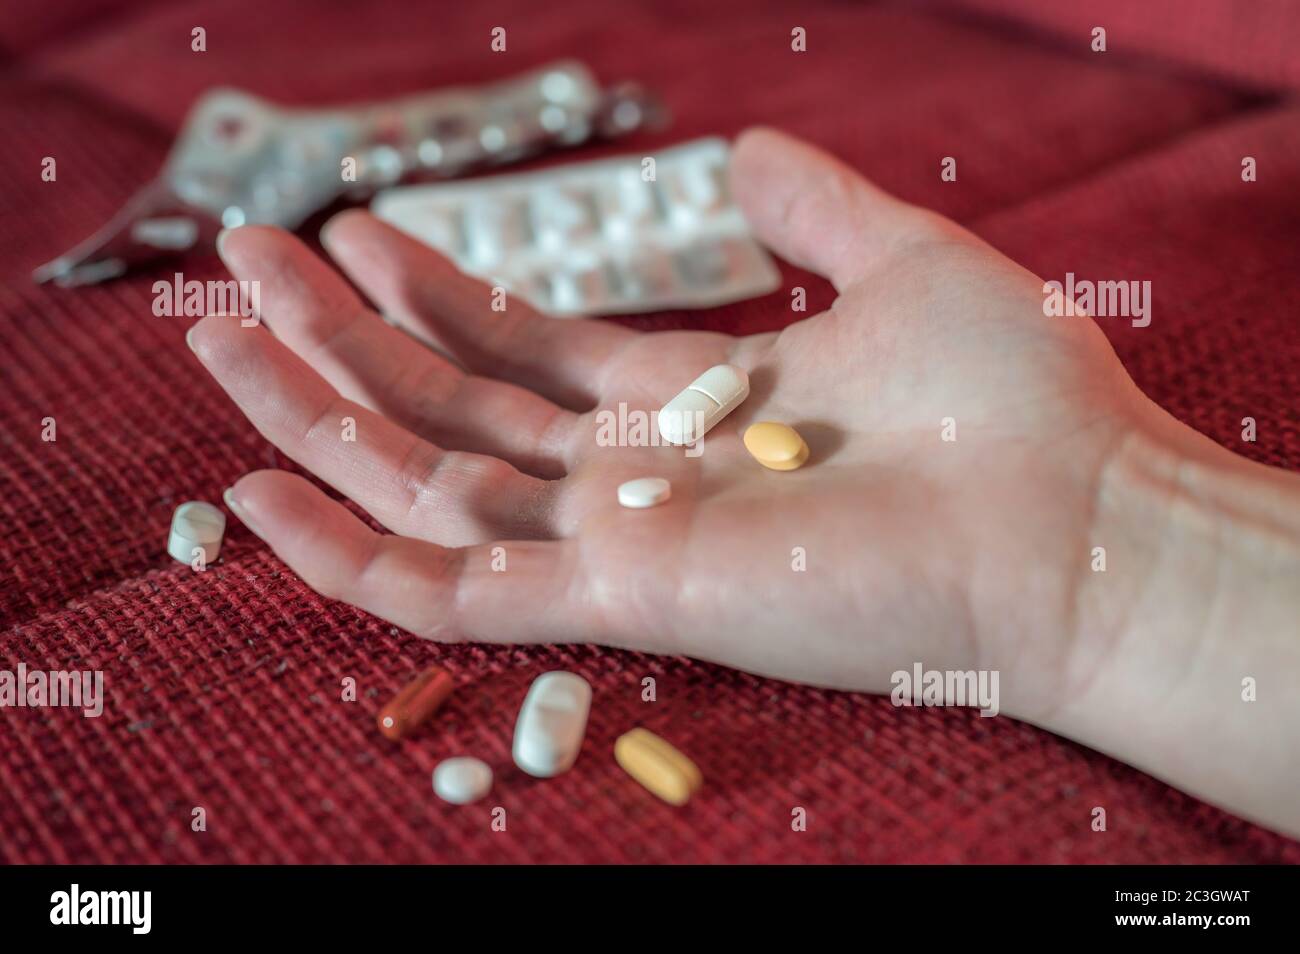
(658, 766)
(775, 445)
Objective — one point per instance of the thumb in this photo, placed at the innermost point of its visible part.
(814, 210)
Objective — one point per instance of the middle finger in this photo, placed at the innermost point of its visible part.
(413, 487)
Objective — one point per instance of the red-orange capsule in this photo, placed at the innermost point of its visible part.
(415, 703)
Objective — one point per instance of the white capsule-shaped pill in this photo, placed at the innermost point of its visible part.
(196, 525)
(462, 780)
(552, 724)
(706, 401)
(644, 492)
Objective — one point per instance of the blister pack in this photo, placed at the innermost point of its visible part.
(613, 236)
(242, 160)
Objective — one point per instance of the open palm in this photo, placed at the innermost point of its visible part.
(896, 542)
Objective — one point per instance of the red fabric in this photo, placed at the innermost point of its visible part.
(1249, 43)
(224, 687)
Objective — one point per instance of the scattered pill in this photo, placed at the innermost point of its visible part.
(658, 766)
(196, 525)
(644, 492)
(706, 401)
(552, 723)
(413, 706)
(462, 780)
(776, 446)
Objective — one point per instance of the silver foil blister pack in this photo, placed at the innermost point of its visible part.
(623, 235)
(242, 160)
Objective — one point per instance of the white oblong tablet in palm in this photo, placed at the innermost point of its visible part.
(704, 402)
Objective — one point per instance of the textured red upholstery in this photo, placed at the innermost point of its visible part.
(224, 687)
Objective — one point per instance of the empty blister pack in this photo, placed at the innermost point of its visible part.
(612, 236)
(242, 160)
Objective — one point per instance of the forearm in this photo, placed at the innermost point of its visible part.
(1196, 613)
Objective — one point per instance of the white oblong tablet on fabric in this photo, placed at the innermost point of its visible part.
(462, 780)
(705, 401)
(552, 724)
(644, 492)
(196, 525)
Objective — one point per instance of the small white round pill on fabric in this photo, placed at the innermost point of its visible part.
(196, 525)
(644, 492)
(462, 780)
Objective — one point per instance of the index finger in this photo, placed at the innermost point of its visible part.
(560, 358)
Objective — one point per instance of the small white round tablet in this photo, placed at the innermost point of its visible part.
(196, 525)
(462, 780)
(644, 492)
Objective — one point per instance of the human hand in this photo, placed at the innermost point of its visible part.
(961, 554)
(915, 546)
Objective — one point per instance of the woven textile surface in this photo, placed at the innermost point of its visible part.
(224, 687)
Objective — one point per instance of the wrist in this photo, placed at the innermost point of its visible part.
(1193, 617)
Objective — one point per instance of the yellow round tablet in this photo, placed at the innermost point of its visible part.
(776, 446)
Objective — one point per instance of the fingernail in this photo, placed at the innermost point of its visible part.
(325, 231)
(238, 510)
(221, 242)
(189, 337)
